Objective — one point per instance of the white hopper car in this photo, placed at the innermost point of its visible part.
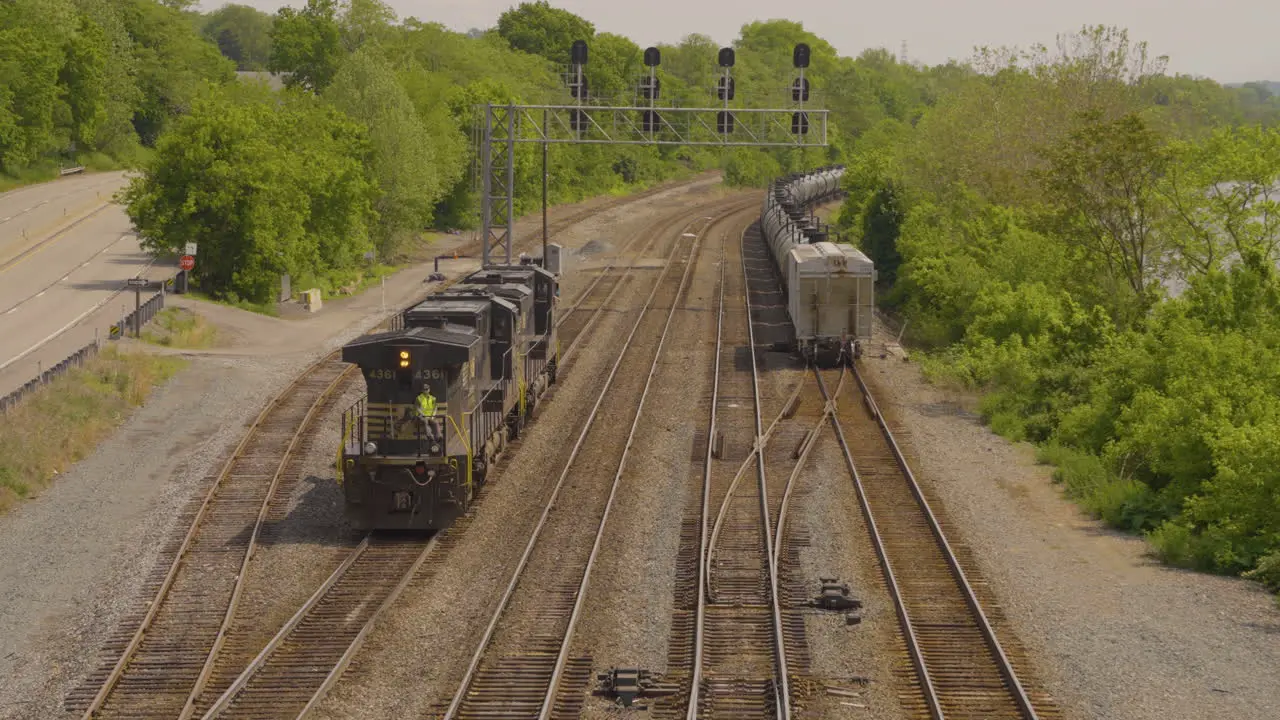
(830, 287)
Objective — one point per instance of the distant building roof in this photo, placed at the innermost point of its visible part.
(275, 81)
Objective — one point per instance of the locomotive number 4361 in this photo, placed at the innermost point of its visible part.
(389, 374)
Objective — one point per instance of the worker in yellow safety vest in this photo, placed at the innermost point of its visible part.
(426, 404)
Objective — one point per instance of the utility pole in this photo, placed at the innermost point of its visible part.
(544, 193)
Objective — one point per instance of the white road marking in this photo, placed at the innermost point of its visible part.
(69, 325)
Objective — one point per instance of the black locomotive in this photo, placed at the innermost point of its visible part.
(485, 349)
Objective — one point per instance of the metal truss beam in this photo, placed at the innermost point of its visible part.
(506, 126)
(753, 127)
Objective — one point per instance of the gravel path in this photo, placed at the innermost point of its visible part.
(1114, 634)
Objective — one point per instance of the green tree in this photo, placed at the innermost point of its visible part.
(1105, 178)
(242, 34)
(1225, 193)
(267, 184)
(306, 44)
(543, 30)
(411, 175)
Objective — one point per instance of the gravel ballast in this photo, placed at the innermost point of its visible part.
(426, 640)
(76, 556)
(1113, 633)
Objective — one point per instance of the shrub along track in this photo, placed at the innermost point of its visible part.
(160, 660)
(957, 667)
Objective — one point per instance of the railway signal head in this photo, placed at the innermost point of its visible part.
(799, 123)
(800, 57)
(650, 121)
(650, 88)
(577, 120)
(724, 122)
(652, 57)
(579, 89)
(726, 57)
(578, 53)
(800, 89)
(724, 87)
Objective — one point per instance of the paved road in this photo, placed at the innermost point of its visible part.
(65, 253)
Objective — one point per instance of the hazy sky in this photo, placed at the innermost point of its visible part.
(1228, 40)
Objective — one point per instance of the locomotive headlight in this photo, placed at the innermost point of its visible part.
(370, 448)
(404, 358)
(435, 448)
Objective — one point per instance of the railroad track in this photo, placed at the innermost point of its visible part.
(162, 665)
(521, 667)
(309, 653)
(744, 641)
(961, 670)
(559, 225)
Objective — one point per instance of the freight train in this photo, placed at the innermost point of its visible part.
(447, 391)
(829, 286)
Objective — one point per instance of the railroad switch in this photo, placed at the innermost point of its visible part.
(835, 596)
(624, 685)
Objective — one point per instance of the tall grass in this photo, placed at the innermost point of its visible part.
(63, 422)
(180, 328)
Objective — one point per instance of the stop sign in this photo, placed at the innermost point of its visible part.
(187, 262)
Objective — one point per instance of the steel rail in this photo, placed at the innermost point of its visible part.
(758, 447)
(891, 579)
(809, 442)
(332, 678)
(154, 608)
(782, 689)
(243, 679)
(971, 599)
(599, 311)
(613, 262)
(703, 569)
(548, 700)
(194, 696)
(483, 646)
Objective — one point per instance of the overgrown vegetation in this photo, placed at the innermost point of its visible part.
(180, 328)
(62, 422)
(1092, 244)
(93, 81)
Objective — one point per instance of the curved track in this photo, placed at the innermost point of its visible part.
(961, 669)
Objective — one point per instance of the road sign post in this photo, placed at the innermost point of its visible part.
(137, 284)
